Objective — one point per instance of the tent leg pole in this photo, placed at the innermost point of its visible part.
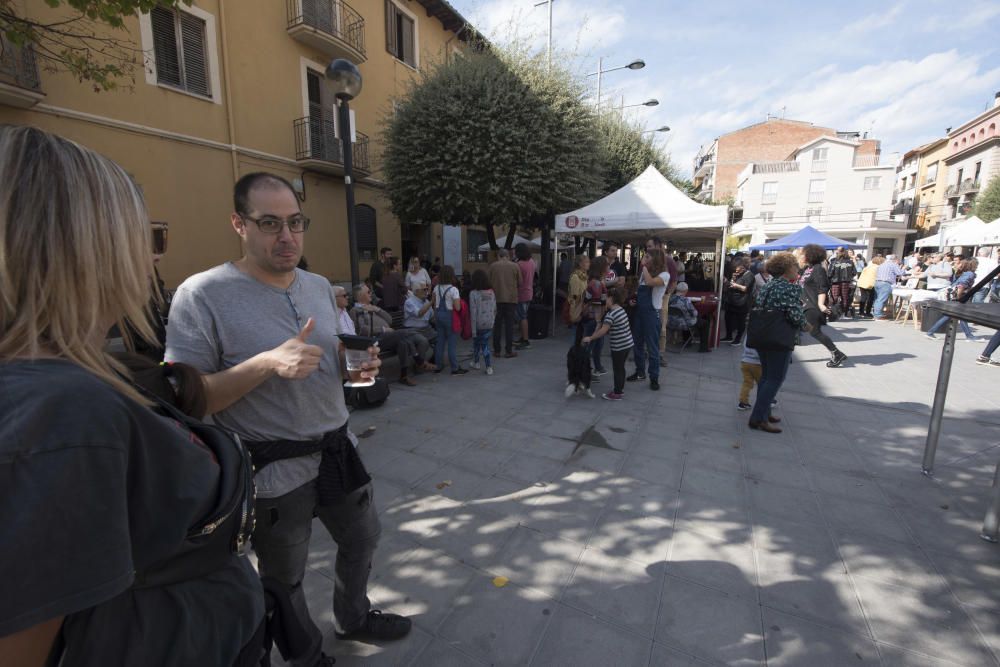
(720, 260)
(555, 277)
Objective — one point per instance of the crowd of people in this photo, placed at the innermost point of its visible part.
(129, 515)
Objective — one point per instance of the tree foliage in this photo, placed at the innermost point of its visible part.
(988, 202)
(628, 150)
(484, 140)
(86, 38)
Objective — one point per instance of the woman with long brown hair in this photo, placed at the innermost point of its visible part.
(100, 493)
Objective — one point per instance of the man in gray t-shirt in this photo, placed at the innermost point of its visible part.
(264, 334)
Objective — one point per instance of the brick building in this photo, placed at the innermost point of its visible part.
(718, 165)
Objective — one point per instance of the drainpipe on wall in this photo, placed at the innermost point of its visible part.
(230, 123)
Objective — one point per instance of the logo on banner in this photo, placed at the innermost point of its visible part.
(572, 221)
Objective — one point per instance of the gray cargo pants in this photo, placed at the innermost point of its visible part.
(281, 540)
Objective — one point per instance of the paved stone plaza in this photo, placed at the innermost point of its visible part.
(661, 531)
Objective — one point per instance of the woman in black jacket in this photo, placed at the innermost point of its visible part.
(815, 285)
(739, 296)
(842, 273)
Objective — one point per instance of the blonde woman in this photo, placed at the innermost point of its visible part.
(98, 490)
(416, 274)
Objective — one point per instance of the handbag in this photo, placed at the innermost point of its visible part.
(836, 312)
(770, 330)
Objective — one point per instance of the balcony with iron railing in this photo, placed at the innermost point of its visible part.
(865, 161)
(782, 167)
(318, 147)
(968, 185)
(20, 85)
(330, 26)
(951, 191)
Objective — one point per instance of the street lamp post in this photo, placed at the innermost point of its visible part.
(662, 128)
(346, 80)
(635, 64)
(647, 103)
(549, 45)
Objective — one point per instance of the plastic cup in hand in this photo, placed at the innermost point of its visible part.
(356, 353)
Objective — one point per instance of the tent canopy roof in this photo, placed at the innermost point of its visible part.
(808, 234)
(970, 232)
(648, 206)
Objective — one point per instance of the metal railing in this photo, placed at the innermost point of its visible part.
(951, 191)
(968, 185)
(868, 161)
(18, 66)
(775, 167)
(316, 139)
(333, 17)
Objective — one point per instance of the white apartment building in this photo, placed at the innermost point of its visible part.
(826, 184)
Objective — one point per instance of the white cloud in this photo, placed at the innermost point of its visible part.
(905, 102)
(874, 22)
(578, 26)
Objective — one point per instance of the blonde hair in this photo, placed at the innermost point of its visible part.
(75, 253)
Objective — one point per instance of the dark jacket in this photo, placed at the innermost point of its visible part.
(842, 270)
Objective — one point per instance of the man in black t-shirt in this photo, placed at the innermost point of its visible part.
(616, 268)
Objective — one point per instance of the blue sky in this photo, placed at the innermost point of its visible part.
(904, 70)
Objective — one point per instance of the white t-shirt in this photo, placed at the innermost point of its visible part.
(420, 276)
(658, 291)
(447, 292)
(939, 282)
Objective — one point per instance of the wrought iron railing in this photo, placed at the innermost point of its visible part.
(333, 17)
(775, 167)
(316, 139)
(951, 191)
(868, 161)
(18, 65)
(968, 185)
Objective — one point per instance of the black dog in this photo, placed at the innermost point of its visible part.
(578, 367)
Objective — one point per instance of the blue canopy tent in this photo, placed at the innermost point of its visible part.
(805, 236)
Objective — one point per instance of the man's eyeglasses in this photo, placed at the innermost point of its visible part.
(271, 225)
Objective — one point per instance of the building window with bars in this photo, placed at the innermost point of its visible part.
(400, 34)
(180, 50)
(367, 231)
(769, 194)
(817, 190)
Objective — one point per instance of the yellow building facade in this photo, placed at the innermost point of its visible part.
(229, 87)
(932, 180)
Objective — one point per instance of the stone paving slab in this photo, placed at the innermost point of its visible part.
(661, 531)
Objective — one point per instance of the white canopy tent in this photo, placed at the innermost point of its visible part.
(649, 205)
(652, 206)
(991, 235)
(932, 241)
(967, 233)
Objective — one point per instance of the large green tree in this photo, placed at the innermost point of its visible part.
(491, 139)
(86, 38)
(988, 202)
(628, 150)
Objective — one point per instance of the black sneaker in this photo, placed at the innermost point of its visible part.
(982, 360)
(380, 626)
(838, 358)
(654, 385)
(459, 371)
(736, 342)
(522, 345)
(635, 376)
(326, 660)
(743, 406)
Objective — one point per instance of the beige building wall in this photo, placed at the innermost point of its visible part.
(931, 190)
(187, 151)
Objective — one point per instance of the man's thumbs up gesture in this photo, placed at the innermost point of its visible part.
(296, 359)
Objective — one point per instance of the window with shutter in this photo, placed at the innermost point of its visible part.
(180, 50)
(400, 35)
(367, 231)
